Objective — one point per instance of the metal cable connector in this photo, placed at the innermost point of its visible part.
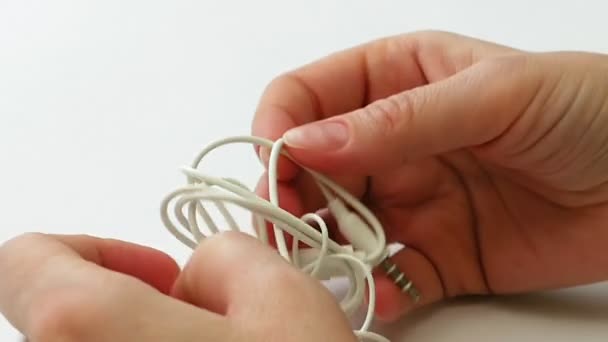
(399, 278)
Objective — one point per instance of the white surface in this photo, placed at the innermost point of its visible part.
(102, 101)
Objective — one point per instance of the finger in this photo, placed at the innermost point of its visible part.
(55, 289)
(234, 274)
(441, 254)
(215, 276)
(288, 200)
(144, 263)
(302, 195)
(407, 186)
(468, 109)
(350, 79)
(399, 199)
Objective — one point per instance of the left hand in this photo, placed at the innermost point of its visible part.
(81, 288)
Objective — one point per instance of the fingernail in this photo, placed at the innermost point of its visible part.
(324, 135)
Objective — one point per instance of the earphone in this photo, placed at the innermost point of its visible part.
(323, 259)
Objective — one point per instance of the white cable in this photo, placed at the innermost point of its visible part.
(273, 192)
(323, 258)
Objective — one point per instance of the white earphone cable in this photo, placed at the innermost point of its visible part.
(324, 259)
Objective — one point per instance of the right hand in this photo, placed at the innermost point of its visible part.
(489, 163)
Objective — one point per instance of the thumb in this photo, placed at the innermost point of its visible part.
(470, 108)
(235, 275)
(228, 272)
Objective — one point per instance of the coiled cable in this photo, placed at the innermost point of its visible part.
(323, 259)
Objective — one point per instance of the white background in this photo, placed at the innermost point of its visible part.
(102, 101)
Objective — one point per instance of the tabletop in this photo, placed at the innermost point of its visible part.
(102, 101)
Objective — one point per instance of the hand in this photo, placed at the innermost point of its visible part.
(489, 163)
(79, 288)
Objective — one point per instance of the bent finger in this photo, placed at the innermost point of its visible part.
(56, 289)
(347, 80)
(144, 263)
(236, 275)
(466, 110)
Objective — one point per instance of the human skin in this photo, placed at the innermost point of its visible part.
(489, 163)
(234, 288)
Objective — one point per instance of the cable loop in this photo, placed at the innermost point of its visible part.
(323, 258)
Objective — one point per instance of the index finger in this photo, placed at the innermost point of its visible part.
(351, 79)
(42, 272)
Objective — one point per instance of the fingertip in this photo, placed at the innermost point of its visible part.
(391, 304)
(286, 168)
(271, 122)
(147, 264)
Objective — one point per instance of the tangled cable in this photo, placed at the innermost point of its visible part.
(324, 259)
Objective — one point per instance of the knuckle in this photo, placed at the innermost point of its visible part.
(506, 65)
(228, 247)
(388, 115)
(289, 80)
(278, 98)
(283, 279)
(277, 82)
(18, 243)
(11, 252)
(234, 248)
(415, 39)
(227, 240)
(22, 239)
(68, 315)
(429, 34)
